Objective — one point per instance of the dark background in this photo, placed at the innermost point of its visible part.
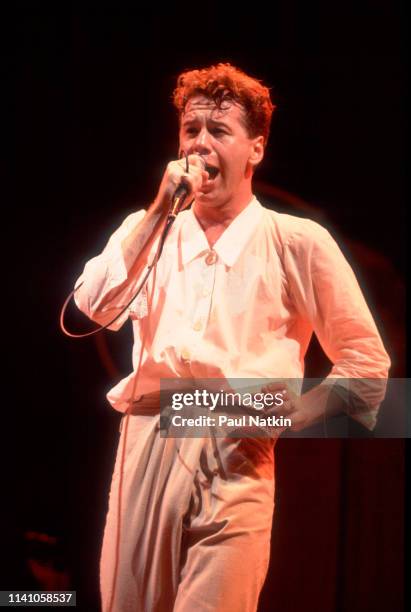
(94, 129)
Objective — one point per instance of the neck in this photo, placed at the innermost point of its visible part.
(223, 214)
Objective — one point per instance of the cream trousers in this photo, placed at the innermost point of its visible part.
(193, 530)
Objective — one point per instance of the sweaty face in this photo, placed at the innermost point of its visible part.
(220, 136)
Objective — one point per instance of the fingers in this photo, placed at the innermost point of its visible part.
(279, 391)
(195, 176)
(176, 173)
(285, 403)
(274, 386)
(194, 160)
(196, 167)
(288, 407)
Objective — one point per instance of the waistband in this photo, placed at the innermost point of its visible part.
(146, 405)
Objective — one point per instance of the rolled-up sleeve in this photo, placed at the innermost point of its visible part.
(327, 295)
(104, 273)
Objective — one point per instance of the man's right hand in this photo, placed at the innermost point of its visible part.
(175, 174)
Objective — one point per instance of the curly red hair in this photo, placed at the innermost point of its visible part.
(223, 83)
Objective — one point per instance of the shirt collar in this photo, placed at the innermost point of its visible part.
(193, 239)
(231, 242)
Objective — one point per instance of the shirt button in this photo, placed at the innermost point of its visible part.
(197, 326)
(205, 292)
(211, 258)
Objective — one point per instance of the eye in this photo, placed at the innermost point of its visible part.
(191, 131)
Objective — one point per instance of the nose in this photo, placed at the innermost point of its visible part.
(201, 143)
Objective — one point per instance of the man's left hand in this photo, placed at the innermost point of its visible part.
(294, 407)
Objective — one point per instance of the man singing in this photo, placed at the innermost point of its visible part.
(237, 293)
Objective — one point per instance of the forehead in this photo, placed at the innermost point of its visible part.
(201, 106)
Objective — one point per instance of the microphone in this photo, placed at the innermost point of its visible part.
(182, 192)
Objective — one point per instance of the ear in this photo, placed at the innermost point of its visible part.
(257, 151)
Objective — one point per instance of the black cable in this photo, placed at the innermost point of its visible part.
(170, 220)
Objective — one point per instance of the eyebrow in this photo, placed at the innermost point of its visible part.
(214, 122)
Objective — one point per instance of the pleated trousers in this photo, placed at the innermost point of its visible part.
(189, 522)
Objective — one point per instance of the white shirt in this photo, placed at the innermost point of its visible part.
(244, 309)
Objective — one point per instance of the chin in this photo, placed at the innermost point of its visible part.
(212, 196)
(207, 199)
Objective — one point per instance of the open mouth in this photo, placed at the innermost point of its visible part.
(212, 171)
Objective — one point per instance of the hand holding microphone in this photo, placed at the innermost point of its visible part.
(181, 180)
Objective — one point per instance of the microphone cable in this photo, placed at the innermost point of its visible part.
(177, 201)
